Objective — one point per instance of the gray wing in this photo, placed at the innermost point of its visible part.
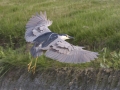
(36, 51)
(62, 51)
(36, 26)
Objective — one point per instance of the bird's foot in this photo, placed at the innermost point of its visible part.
(33, 68)
(29, 66)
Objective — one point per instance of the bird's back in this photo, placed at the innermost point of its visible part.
(45, 39)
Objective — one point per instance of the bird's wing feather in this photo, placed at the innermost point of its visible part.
(62, 51)
(36, 51)
(36, 26)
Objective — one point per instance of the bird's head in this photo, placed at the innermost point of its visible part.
(65, 36)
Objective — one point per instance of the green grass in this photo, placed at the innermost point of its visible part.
(95, 24)
(91, 22)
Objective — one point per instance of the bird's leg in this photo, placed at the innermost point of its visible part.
(29, 65)
(34, 67)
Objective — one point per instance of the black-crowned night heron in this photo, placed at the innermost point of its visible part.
(38, 33)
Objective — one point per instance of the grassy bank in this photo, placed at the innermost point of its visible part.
(95, 24)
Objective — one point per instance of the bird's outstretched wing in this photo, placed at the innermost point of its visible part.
(62, 51)
(36, 26)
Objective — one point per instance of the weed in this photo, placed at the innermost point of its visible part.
(103, 63)
(110, 59)
(115, 59)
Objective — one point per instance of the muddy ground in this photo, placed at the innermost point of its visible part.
(61, 79)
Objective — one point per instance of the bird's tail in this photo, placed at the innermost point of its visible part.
(36, 51)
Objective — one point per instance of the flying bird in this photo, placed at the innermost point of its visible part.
(54, 44)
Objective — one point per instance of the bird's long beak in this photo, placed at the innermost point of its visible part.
(71, 37)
